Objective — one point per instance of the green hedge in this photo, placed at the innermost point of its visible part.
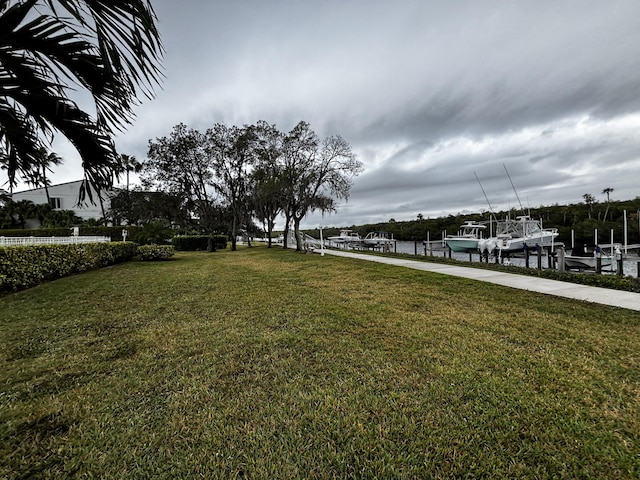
(114, 232)
(26, 266)
(220, 241)
(193, 243)
(190, 243)
(155, 252)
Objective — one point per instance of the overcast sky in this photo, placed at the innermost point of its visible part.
(426, 92)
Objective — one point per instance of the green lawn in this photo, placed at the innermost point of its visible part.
(265, 363)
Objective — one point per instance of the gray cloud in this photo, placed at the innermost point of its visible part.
(426, 92)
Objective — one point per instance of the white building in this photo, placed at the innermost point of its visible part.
(64, 196)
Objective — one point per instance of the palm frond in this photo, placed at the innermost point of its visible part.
(111, 49)
(127, 37)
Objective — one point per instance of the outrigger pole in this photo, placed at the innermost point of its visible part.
(486, 198)
(514, 189)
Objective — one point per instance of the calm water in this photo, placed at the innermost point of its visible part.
(630, 263)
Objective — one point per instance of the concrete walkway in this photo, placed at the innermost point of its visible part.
(604, 296)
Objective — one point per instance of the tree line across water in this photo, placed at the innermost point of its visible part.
(579, 220)
(158, 211)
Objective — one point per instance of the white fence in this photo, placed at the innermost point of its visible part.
(19, 241)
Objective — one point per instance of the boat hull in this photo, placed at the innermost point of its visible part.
(346, 237)
(375, 239)
(509, 245)
(379, 241)
(462, 244)
(518, 244)
(586, 263)
(343, 240)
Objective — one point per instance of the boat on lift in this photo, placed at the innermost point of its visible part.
(345, 238)
(467, 238)
(582, 259)
(378, 239)
(514, 235)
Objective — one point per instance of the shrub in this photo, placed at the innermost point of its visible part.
(153, 233)
(220, 241)
(155, 252)
(26, 266)
(190, 243)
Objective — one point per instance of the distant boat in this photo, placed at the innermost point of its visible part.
(346, 237)
(513, 235)
(376, 239)
(467, 238)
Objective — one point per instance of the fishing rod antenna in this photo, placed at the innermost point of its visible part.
(514, 189)
(486, 198)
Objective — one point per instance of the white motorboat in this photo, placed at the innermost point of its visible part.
(513, 235)
(346, 237)
(467, 238)
(587, 263)
(581, 259)
(376, 239)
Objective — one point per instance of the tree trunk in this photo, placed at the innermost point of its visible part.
(270, 225)
(296, 231)
(45, 183)
(285, 241)
(234, 233)
(104, 215)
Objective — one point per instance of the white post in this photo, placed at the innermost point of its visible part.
(573, 238)
(625, 232)
(321, 243)
(612, 242)
(595, 237)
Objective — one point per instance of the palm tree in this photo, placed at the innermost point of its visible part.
(7, 219)
(607, 191)
(589, 200)
(24, 209)
(111, 50)
(38, 176)
(128, 164)
(61, 218)
(42, 211)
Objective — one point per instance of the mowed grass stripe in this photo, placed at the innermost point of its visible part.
(264, 363)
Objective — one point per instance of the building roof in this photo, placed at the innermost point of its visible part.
(53, 185)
